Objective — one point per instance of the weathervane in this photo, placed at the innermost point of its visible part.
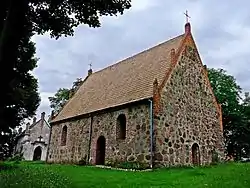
(187, 16)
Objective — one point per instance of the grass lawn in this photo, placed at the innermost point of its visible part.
(32, 175)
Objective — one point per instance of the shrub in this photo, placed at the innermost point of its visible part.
(112, 163)
(215, 158)
(83, 161)
(126, 164)
(16, 158)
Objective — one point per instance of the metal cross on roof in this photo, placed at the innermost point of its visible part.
(90, 65)
(187, 16)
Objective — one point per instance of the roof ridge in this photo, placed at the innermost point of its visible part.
(33, 124)
(139, 53)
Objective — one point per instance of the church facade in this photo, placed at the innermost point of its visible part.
(156, 107)
(33, 142)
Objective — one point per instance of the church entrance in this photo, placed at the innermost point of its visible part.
(37, 154)
(195, 154)
(100, 150)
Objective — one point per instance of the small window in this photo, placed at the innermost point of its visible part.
(64, 136)
(121, 127)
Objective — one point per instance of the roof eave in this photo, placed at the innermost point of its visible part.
(102, 109)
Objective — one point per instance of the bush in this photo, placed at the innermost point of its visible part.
(83, 161)
(16, 158)
(215, 158)
(133, 165)
(112, 163)
(126, 165)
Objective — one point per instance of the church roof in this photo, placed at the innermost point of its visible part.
(127, 81)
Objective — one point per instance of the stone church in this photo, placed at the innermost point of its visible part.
(33, 142)
(156, 107)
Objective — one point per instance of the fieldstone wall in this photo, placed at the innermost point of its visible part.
(188, 115)
(77, 142)
(135, 147)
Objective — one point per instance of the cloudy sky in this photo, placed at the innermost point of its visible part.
(221, 30)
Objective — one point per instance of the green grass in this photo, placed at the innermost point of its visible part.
(35, 175)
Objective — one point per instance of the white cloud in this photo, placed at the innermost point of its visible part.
(45, 100)
(139, 5)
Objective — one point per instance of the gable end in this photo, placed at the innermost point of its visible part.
(188, 41)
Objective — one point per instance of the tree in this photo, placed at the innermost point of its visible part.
(59, 99)
(246, 112)
(7, 144)
(58, 17)
(76, 84)
(225, 88)
(20, 98)
(227, 93)
(63, 95)
(246, 100)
